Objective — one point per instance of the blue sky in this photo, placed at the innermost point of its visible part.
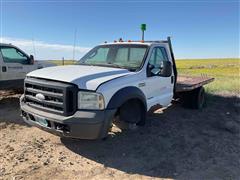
(200, 29)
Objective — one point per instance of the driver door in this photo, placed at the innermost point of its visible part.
(160, 88)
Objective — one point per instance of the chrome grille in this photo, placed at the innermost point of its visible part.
(59, 98)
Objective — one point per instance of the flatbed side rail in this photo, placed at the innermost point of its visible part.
(188, 83)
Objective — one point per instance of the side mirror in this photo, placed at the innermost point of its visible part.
(31, 59)
(150, 67)
(166, 70)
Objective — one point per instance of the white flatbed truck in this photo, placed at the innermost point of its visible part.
(119, 79)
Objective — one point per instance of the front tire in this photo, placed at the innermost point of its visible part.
(130, 115)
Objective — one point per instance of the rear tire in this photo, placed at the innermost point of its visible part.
(194, 99)
(200, 99)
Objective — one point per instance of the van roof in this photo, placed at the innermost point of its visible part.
(5, 44)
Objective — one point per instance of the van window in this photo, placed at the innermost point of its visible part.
(13, 55)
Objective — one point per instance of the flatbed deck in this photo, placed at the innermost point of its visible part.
(188, 83)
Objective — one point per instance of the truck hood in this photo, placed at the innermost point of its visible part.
(85, 77)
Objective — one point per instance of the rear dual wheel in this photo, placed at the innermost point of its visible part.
(194, 99)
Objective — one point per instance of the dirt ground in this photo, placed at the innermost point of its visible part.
(176, 143)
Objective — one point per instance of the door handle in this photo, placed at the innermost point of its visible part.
(4, 69)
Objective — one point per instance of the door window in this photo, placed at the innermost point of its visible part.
(156, 59)
(13, 55)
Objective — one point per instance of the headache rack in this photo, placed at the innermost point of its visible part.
(51, 96)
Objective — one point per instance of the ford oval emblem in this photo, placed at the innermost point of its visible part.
(40, 96)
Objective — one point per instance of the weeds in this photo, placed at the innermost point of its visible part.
(225, 71)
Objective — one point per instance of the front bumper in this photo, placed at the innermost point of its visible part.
(91, 124)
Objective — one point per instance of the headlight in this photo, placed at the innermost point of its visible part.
(90, 100)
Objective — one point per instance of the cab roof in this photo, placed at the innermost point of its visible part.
(148, 43)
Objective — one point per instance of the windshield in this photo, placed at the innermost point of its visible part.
(126, 56)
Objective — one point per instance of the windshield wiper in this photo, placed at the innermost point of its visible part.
(98, 64)
(123, 67)
(110, 65)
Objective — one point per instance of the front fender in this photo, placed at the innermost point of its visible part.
(125, 94)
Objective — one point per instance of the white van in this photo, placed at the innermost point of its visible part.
(14, 65)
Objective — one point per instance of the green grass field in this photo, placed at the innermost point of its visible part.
(60, 63)
(225, 71)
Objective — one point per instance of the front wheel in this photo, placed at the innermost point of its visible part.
(130, 115)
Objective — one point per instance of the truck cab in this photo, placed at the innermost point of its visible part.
(14, 65)
(120, 80)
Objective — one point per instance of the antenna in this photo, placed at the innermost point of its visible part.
(34, 50)
(74, 43)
